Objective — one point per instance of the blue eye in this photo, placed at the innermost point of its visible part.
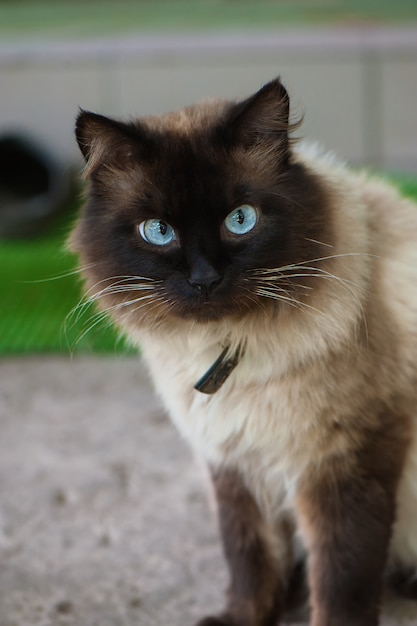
(157, 232)
(241, 220)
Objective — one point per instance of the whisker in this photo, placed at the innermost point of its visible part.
(267, 293)
(67, 274)
(307, 308)
(271, 282)
(249, 296)
(104, 315)
(321, 273)
(117, 289)
(94, 321)
(117, 280)
(320, 243)
(298, 265)
(121, 284)
(76, 312)
(127, 303)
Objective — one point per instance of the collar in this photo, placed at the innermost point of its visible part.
(220, 371)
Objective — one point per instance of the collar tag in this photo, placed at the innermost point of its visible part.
(220, 371)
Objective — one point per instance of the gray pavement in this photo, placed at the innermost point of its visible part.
(104, 515)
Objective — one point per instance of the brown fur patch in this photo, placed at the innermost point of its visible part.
(256, 593)
(347, 519)
(321, 292)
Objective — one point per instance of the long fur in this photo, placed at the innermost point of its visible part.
(326, 392)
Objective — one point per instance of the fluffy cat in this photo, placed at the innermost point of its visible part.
(273, 294)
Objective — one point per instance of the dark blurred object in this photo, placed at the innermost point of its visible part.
(34, 187)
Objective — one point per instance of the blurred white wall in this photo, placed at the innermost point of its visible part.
(357, 87)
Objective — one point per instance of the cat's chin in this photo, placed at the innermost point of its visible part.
(213, 309)
(206, 312)
(202, 316)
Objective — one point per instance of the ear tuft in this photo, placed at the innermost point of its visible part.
(104, 141)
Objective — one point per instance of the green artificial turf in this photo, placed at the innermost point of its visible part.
(41, 290)
(66, 18)
(40, 294)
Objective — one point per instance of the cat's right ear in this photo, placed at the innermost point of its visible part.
(108, 142)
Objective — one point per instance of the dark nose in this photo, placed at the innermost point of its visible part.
(204, 276)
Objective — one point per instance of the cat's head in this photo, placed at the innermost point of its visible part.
(199, 214)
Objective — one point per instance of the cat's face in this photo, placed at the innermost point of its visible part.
(192, 215)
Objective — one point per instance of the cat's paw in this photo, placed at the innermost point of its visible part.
(404, 582)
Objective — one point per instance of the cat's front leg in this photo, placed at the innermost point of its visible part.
(256, 591)
(346, 517)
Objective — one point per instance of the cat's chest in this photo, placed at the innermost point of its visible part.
(259, 417)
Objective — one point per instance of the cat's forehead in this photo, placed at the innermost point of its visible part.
(188, 149)
(193, 142)
(189, 122)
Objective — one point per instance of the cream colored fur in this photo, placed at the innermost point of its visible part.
(304, 367)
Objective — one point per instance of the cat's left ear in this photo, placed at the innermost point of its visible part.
(262, 118)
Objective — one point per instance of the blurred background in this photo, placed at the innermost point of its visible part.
(349, 65)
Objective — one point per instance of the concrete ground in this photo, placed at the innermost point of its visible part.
(104, 519)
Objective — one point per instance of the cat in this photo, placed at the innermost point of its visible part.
(273, 293)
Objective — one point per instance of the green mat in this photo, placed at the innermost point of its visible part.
(58, 19)
(40, 289)
(40, 294)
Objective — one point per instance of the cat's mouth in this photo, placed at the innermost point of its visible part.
(205, 310)
(211, 307)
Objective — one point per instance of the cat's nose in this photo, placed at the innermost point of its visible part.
(204, 277)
